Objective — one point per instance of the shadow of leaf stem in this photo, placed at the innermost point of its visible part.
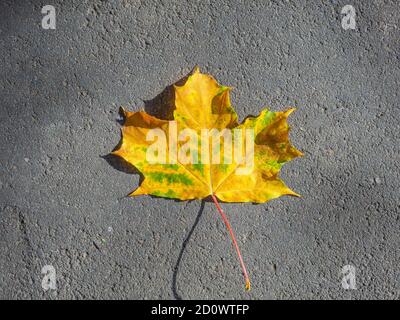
(183, 248)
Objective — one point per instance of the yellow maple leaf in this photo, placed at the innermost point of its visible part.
(182, 159)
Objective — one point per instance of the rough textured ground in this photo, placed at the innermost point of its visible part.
(62, 204)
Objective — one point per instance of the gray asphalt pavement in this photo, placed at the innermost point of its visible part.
(63, 204)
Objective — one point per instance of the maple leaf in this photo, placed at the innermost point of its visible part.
(201, 103)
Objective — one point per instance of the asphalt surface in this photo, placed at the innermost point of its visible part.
(62, 203)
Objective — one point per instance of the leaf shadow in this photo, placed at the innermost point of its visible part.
(120, 164)
(163, 105)
(175, 292)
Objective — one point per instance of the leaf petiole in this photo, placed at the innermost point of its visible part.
(228, 226)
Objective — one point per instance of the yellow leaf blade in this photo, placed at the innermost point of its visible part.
(271, 150)
(201, 103)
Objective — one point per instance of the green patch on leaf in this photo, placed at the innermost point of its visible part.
(170, 178)
(199, 167)
(169, 194)
(274, 164)
(268, 118)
